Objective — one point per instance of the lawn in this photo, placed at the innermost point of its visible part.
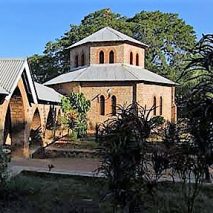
(33, 192)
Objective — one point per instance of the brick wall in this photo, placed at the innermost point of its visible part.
(121, 53)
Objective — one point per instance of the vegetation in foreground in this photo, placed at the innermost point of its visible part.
(33, 192)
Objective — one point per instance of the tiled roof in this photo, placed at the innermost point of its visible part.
(107, 34)
(110, 72)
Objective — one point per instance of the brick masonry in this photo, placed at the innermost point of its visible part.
(125, 92)
(22, 119)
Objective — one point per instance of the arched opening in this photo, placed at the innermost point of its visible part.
(51, 124)
(76, 61)
(114, 105)
(82, 60)
(161, 105)
(131, 58)
(154, 106)
(102, 105)
(101, 57)
(14, 127)
(35, 139)
(137, 59)
(111, 57)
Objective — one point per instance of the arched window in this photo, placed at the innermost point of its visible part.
(76, 61)
(161, 105)
(137, 59)
(131, 58)
(154, 106)
(82, 60)
(114, 105)
(102, 105)
(111, 57)
(101, 57)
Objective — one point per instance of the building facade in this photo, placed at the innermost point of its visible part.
(25, 106)
(108, 68)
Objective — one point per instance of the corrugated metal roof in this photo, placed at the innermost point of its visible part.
(107, 34)
(3, 91)
(110, 72)
(9, 72)
(47, 94)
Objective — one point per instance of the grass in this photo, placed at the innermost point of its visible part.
(35, 192)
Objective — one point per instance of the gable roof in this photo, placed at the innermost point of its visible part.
(10, 73)
(47, 94)
(107, 34)
(110, 73)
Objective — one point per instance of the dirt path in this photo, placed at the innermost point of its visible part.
(70, 166)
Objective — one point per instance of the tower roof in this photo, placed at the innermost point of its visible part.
(107, 34)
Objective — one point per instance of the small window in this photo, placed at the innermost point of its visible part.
(114, 105)
(161, 105)
(111, 57)
(76, 61)
(131, 58)
(82, 60)
(102, 105)
(101, 57)
(137, 59)
(154, 106)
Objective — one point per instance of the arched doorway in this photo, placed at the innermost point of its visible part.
(51, 124)
(35, 139)
(14, 127)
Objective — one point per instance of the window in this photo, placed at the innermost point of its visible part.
(102, 105)
(113, 105)
(154, 106)
(111, 57)
(131, 58)
(82, 60)
(161, 105)
(76, 61)
(137, 59)
(101, 57)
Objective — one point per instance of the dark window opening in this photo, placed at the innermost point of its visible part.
(102, 105)
(161, 105)
(82, 60)
(131, 58)
(111, 57)
(76, 61)
(101, 57)
(114, 105)
(137, 60)
(154, 106)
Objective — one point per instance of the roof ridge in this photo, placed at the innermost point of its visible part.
(125, 67)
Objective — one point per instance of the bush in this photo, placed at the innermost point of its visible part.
(4, 159)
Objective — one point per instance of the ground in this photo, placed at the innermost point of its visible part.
(33, 193)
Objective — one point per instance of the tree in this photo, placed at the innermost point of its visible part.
(169, 39)
(168, 36)
(75, 108)
(123, 146)
(199, 104)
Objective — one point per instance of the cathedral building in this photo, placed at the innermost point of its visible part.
(108, 68)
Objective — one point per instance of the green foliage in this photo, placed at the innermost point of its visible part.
(123, 144)
(169, 37)
(4, 159)
(75, 108)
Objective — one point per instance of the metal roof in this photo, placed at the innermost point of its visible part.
(107, 34)
(110, 72)
(3, 91)
(9, 71)
(47, 94)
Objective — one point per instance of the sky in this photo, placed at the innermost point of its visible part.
(27, 25)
